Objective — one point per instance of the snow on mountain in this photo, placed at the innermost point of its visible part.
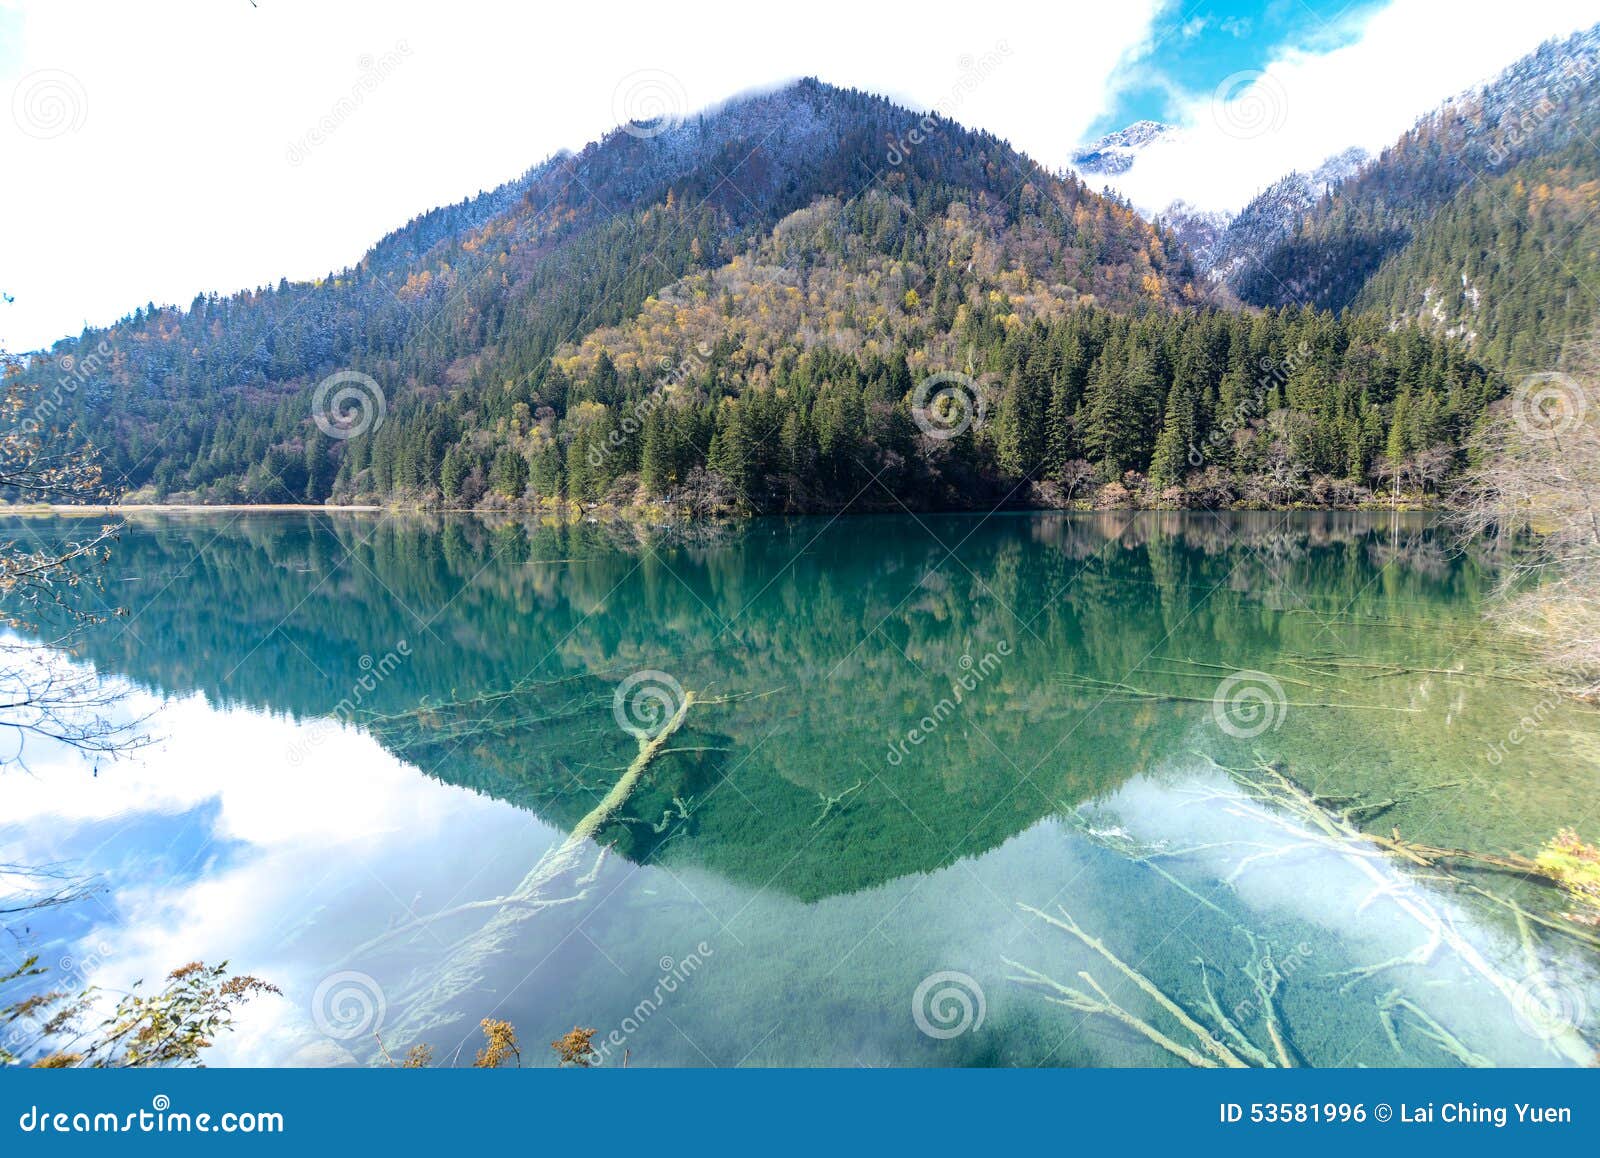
(1116, 152)
(1542, 110)
(1272, 215)
(1199, 229)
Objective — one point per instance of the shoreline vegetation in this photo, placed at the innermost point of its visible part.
(656, 511)
(1535, 479)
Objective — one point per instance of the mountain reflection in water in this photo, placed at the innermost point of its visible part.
(380, 731)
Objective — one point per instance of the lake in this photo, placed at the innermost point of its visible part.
(1017, 789)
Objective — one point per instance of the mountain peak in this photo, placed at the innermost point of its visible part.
(1117, 151)
(1268, 219)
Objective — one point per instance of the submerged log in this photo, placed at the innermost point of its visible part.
(1221, 1055)
(1430, 855)
(530, 895)
(1269, 785)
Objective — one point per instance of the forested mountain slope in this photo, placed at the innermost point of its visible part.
(752, 310)
(457, 315)
(1228, 252)
(1472, 222)
(1511, 263)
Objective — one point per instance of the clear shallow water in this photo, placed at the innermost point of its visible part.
(372, 728)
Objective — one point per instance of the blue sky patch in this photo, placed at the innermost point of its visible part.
(1196, 44)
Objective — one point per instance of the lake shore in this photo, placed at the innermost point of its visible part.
(177, 508)
(649, 512)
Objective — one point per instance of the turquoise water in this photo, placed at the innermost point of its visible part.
(913, 743)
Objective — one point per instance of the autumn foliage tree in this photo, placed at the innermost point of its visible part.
(172, 1026)
(50, 588)
(1535, 486)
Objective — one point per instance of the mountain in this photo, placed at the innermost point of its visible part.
(462, 317)
(1271, 216)
(1475, 222)
(1200, 230)
(1510, 264)
(1117, 151)
(805, 300)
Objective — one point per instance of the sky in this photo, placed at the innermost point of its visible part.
(1192, 46)
(156, 151)
(212, 860)
(1260, 89)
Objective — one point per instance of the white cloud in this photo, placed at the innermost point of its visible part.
(1308, 106)
(325, 833)
(171, 173)
(177, 178)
